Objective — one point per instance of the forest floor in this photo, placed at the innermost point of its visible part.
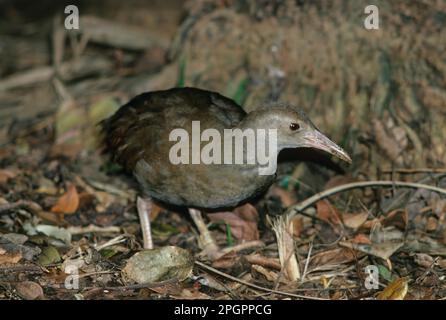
(68, 216)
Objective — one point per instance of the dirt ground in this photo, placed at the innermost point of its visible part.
(69, 225)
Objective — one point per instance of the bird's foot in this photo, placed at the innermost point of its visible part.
(206, 242)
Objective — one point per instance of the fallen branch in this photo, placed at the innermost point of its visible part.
(30, 205)
(93, 229)
(415, 170)
(248, 284)
(67, 71)
(108, 32)
(242, 246)
(292, 211)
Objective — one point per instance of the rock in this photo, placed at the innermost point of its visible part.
(159, 264)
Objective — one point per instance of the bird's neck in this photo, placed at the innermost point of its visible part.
(259, 145)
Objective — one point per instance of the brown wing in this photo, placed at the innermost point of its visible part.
(139, 126)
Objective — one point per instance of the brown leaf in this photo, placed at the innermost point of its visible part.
(247, 212)
(442, 263)
(227, 261)
(267, 274)
(424, 260)
(267, 262)
(354, 220)
(6, 174)
(68, 202)
(327, 212)
(382, 250)
(286, 197)
(333, 257)
(243, 222)
(9, 257)
(361, 238)
(398, 218)
(396, 290)
(298, 226)
(338, 180)
(29, 290)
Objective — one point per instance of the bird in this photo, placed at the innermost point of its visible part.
(139, 136)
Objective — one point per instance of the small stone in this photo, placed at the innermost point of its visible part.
(159, 264)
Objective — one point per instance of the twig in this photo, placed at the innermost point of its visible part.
(307, 262)
(110, 189)
(136, 286)
(243, 246)
(91, 228)
(248, 284)
(67, 71)
(263, 261)
(22, 268)
(108, 32)
(415, 170)
(111, 242)
(292, 211)
(20, 204)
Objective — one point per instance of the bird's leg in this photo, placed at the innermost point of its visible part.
(144, 207)
(206, 241)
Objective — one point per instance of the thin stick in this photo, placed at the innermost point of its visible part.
(307, 262)
(248, 284)
(136, 286)
(30, 205)
(243, 246)
(292, 211)
(415, 170)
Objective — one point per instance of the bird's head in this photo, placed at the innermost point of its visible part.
(294, 129)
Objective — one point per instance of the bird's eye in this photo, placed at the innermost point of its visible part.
(294, 126)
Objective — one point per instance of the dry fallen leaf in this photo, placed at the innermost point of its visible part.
(243, 222)
(333, 257)
(397, 218)
(354, 220)
(29, 290)
(382, 250)
(327, 212)
(396, 290)
(424, 260)
(361, 238)
(68, 202)
(6, 174)
(267, 274)
(298, 226)
(9, 257)
(286, 197)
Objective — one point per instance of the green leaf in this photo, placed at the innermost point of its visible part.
(385, 273)
(229, 237)
(241, 93)
(49, 256)
(182, 73)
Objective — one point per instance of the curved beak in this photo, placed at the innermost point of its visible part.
(315, 139)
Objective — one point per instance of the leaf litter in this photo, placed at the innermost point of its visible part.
(64, 208)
